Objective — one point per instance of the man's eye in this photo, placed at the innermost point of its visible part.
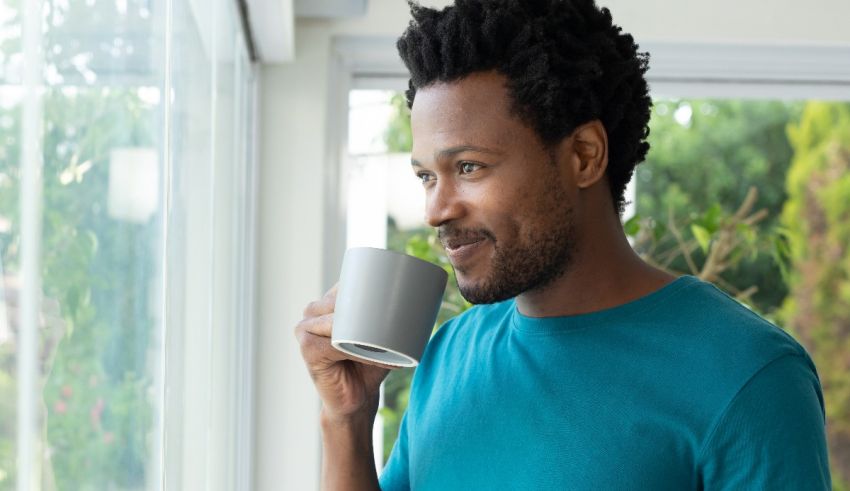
(467, 167)
(424, 177)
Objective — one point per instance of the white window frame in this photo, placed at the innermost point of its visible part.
(677, 69)
(221, 340)
(28, 436)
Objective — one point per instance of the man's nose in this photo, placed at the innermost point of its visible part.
(443, 204)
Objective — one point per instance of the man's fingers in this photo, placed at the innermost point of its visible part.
(315, 330)
(375, 364)
(321, 325)
(318, 352)
(325, 305)
(314, 335)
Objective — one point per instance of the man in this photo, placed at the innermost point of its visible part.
(582, 367)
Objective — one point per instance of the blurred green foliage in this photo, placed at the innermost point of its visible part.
(96, 387)
(398, 136)
(705, 155)
(96, 383)
(816, 218)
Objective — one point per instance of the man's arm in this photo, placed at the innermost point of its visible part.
(350, 392)
(772, 434)
(348, 462)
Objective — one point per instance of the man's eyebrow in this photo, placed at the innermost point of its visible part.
(448, 152)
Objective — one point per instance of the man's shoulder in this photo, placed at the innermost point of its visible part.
(711, 316)
(720, 340)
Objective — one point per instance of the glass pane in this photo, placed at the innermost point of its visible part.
(190, 246)
(100, 259)
(208, 168)
(11, 56)
(101, 254)
(112, 135)
(10, 116)
(225, 169)
(102, 155)
(10, 131)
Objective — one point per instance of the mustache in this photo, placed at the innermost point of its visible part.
(448, 234)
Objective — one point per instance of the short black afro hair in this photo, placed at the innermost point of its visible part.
(565, 61)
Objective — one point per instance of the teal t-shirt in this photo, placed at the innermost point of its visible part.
(682, 389)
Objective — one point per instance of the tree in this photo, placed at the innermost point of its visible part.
(817, 220)
(705, 156)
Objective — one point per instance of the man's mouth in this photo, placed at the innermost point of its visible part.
(456, 243)
(461, 251)
(464, 246)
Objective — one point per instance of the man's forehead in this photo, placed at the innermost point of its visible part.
(477, 93)
(470, 112)
(441, 145)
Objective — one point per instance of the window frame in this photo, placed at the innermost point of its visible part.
(228, 412)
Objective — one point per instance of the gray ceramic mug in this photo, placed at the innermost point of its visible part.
(386, 306)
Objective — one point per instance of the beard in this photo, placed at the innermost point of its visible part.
(532, 261)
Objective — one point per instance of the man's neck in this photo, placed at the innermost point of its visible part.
(605, 272)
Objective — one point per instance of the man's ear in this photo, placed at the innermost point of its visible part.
(587, 149)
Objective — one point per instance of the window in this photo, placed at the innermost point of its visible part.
(126, 231)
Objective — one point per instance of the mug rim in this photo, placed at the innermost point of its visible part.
(337, 343)
(402, 254)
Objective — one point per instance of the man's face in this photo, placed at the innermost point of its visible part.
(500, 203)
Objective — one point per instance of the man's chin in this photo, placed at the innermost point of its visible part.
(479, 292)
(468, 287)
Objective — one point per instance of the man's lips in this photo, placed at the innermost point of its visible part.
(453, 244)
(461, 252)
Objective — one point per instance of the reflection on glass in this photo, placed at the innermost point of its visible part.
(114, 132)
(9, 235)
(10, 117)
(100, 265)
(100, 232)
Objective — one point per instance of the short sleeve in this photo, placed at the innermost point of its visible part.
(396, 474)
(772, 435)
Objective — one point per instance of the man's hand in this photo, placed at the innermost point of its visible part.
(349, 392)
(347, 386)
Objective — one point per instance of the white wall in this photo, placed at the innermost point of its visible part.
(293, 125)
